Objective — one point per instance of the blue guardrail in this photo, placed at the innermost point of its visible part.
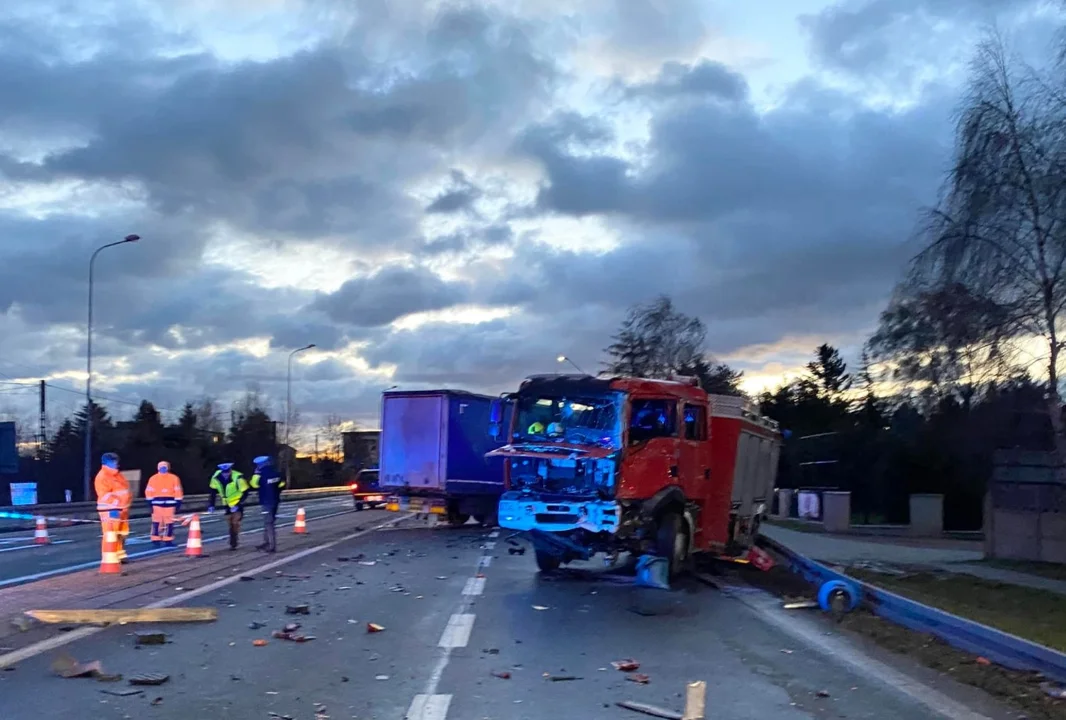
(1002, 648)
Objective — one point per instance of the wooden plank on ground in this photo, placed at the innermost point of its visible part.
(123, 616)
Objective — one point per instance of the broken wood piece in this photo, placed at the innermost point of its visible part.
(695, 700)
(125, 615)
(650, 710)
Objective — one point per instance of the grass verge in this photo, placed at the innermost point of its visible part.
(1052, 571)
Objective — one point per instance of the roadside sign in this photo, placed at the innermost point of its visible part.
(24, 493)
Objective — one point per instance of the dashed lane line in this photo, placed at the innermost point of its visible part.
(52, 643)
(457, 633)
(491, 545)
(429, 707)
(31, 547)
(485, 561)
(474, 586)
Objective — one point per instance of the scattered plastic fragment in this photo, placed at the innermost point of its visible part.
(259, 643)
(157, 701)
(302, 609)
(639, 678)
(650, 710)
(291, 627)
(560, 678)
(540, 607)
(381, 677)
(800, 605)
(628, 665)
(501, 674)
(149, 679)
(822, 693)
(983, 661)
(67, 667)
(256, 625)
(292, 636)
(374, 627)
(123, 692)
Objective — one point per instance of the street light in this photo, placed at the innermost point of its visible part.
(565, 359)
(288, 413)
(89, 368)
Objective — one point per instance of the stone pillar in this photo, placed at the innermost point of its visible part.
(836, 511)
(784, 503)
(927, 515)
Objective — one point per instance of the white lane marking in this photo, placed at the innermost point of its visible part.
(474, 586)
(457, 633)
(31, 547)
(10, 540)
(491, 545)
(143, 554)
(856, 661)
(37, 648)
(429, 707)
(494, 534)
(485, 561)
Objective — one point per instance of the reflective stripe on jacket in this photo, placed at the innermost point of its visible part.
(269, 482)
(233, 491)
(164, 490)
(112, 490)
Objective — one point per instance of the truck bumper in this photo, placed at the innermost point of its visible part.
(525, 513)
(427, 506)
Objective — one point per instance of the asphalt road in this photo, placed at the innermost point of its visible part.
(452, 618)
(78, 547)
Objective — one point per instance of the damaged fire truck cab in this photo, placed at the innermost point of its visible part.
(608, 465)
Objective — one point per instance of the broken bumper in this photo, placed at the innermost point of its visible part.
(524, 513)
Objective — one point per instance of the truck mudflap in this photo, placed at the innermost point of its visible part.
(424, 506)
(526, 513)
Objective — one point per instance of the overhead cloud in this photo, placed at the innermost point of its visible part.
(454, 193)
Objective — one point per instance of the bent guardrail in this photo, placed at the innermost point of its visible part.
(1000, 647)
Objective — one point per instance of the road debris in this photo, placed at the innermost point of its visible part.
(374, 627)
(22, 624)
(540, 607)
(259, 643)
(628, 665)
(983, 661)
(122, 692)
(516, 551)
(279, 716)
(155, 638)
(152, 679)
(302, 609)
(292, 636)
(639, 678)
(1054, 690)
(822, 693)
(501, 674)
(125, 616)
(156, 702)
(368, 563)
(381, 677)
(256, 625)
(561, 678)
(800, 604)
(650, 710)
(66, 666)
(291, 627)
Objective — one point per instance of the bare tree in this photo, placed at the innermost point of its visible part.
(332, 438)
(1000, 228)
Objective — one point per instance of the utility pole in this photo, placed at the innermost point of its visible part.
(42, 420)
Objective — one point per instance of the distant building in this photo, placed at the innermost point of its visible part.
(361, 449)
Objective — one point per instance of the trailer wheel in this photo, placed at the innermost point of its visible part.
(671, 542)
(488, 520)
(359, 506)
(456, 518)
(547, 563)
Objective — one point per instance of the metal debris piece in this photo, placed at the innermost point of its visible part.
(256, 625)
(368, 563)
(66, 666)
(279, 716)
(149, 679)
(822, 693)
(800, 605)
(156, 638)
(157, 701)
(291, 627)
(540, 607)
(501, 674)
(292, 636)
(639, 678)
(628, 665)
(561, 678)
(302, 609)
(381, 677)
(374, 627)
(650, 710)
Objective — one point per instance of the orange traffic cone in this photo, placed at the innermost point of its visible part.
(301, 522)
(40, 535)
(194, 546)
(109, 560)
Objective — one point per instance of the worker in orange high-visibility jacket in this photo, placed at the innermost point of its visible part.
(112, 497)
(164, 493)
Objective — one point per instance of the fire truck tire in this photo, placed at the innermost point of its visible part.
(671, 542)
(488, 520)
(456, 518)
(547, 563)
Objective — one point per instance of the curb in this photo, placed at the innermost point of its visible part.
(1000, 647)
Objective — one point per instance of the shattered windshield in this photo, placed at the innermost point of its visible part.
(579, 419)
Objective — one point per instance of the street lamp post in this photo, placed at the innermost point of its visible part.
(89, 368)
(565, 359)
(288, 413)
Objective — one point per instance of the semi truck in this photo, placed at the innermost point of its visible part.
(651, 467)
(433, 455)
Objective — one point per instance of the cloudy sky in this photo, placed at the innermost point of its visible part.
(442, 193)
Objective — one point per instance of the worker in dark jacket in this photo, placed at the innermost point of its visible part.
(229, 485)
(269, 482)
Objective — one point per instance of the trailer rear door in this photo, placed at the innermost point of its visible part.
(412, 442)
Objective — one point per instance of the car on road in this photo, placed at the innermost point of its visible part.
(365, 491)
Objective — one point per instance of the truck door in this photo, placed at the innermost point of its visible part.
(695, 458)
(652, 453)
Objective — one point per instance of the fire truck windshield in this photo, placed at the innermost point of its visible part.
(578, 420)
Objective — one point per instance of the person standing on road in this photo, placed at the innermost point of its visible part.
(164, 493)
(269, 482)
(112, 497)
(231, 486)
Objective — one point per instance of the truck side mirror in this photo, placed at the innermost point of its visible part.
(494, 431)
(496, 411)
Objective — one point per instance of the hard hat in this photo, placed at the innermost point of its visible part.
(225, 466)
(163, 466)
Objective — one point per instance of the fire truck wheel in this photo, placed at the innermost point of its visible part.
(547, 563)
(487, 520)
(671, 542)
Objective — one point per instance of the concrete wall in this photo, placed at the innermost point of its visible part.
(927, 515)
(836, 511)
(1025, 535)
(784, 502)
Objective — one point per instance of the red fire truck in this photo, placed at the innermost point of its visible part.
(606, 465)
